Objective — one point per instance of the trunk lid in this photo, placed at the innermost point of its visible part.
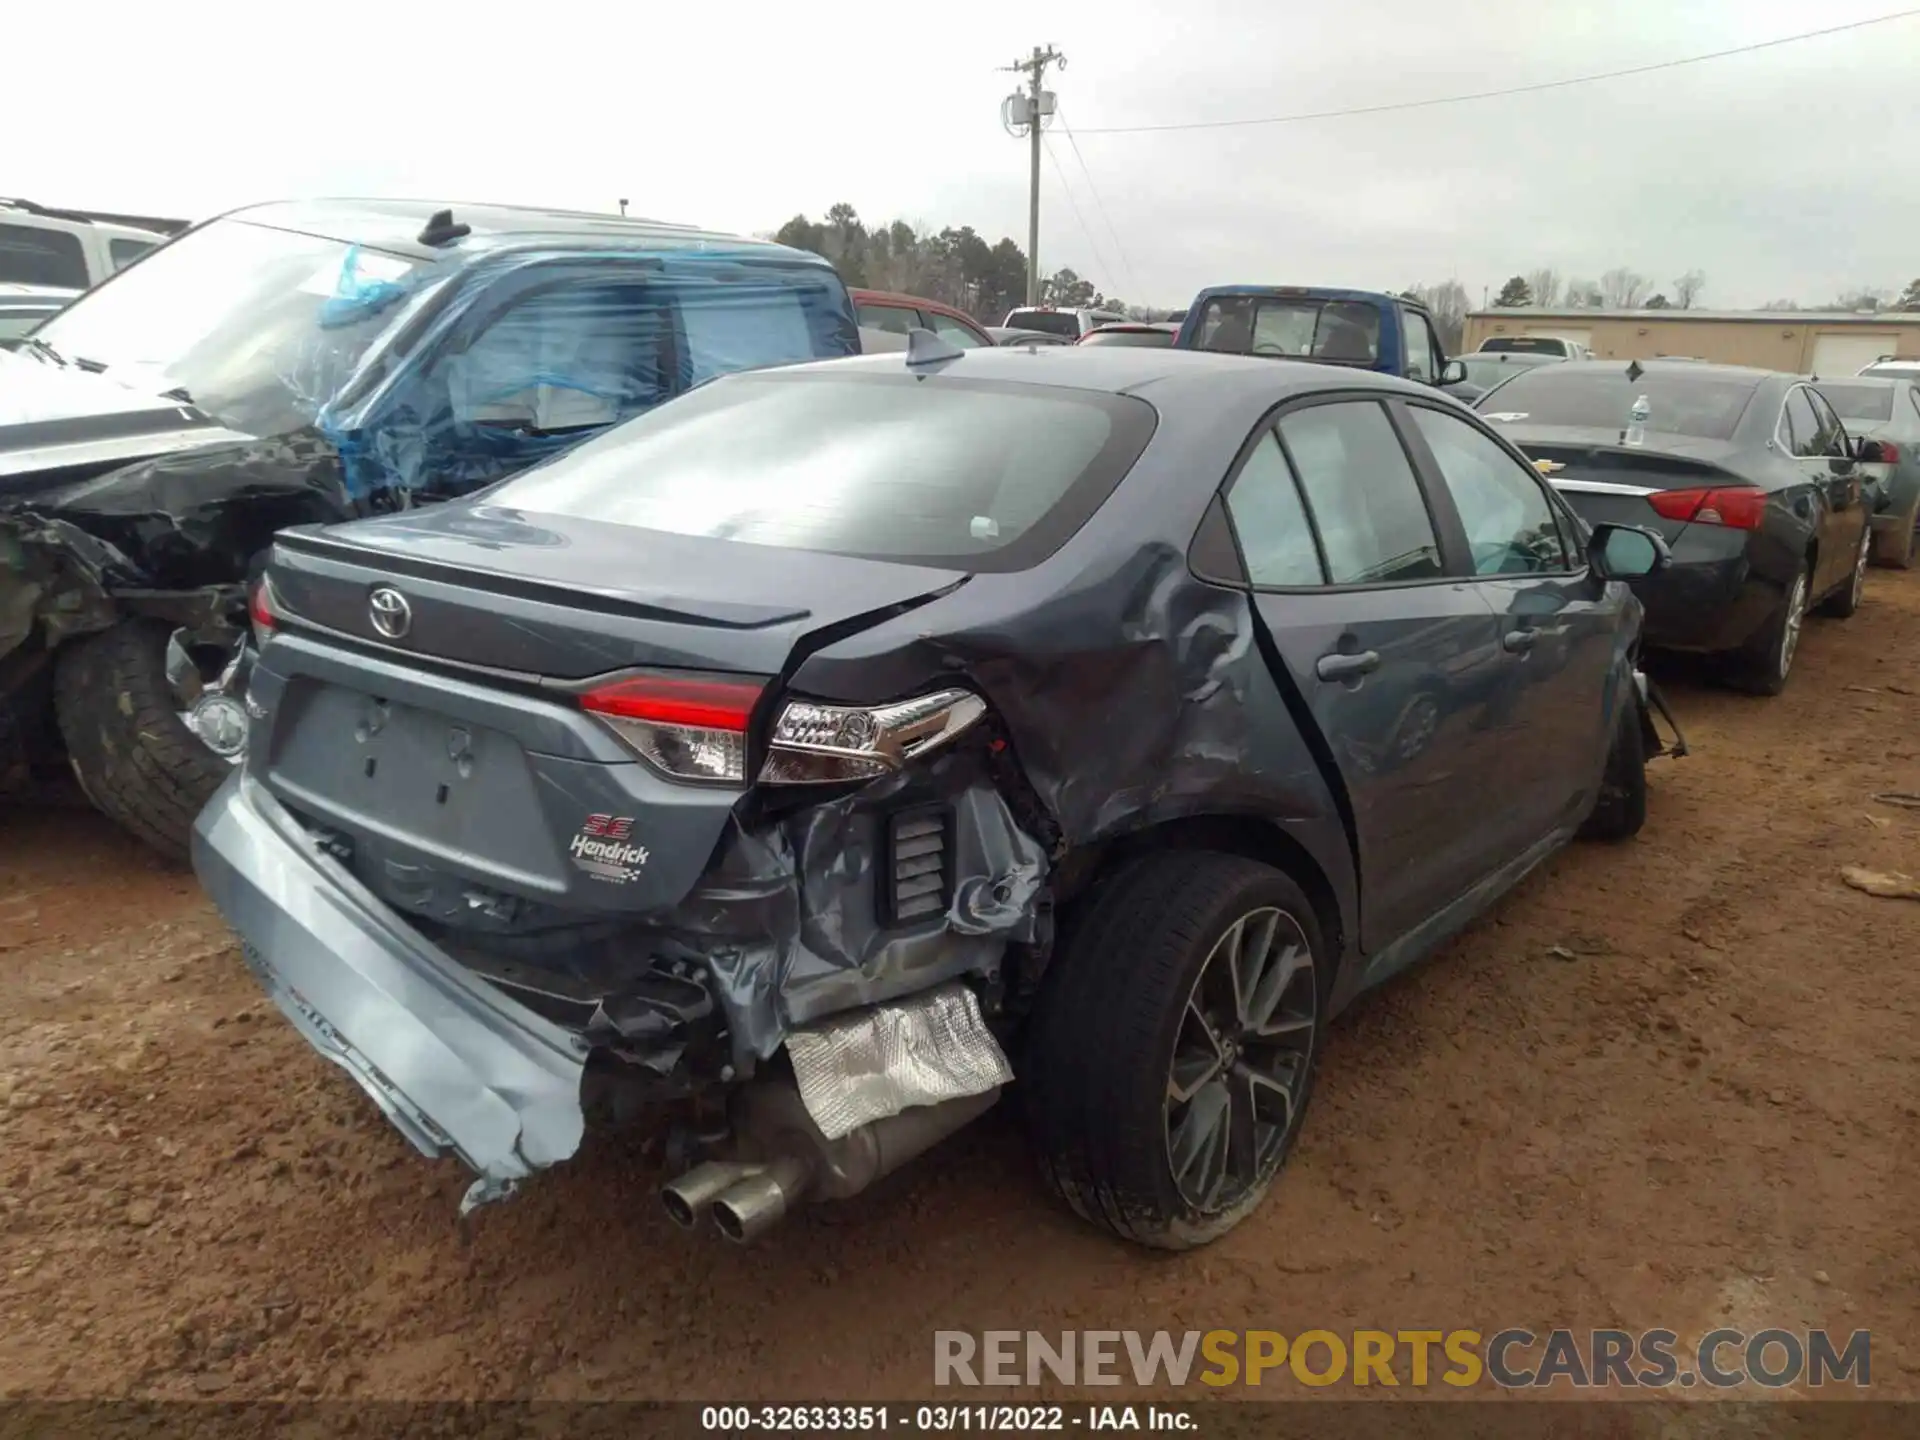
(454, 769)
(1609, 482)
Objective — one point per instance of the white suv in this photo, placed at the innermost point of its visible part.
(65, 249)
(1052, 320)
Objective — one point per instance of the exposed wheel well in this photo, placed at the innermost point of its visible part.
(1243, 835)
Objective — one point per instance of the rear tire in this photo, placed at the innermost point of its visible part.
(1622, 807)
(1763, 668)
(1845, 601)
(133, 755)
(1133, 1130)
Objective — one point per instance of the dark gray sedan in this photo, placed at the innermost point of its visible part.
(812, 743)
(1749, 476)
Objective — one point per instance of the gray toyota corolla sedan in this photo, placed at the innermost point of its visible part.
(793, 756)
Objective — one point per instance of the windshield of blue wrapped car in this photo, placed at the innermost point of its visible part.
(258, 326)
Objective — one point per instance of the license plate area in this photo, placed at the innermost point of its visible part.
(402, 773)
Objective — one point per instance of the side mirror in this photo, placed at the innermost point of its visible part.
(1452, 372)
(1869, 452)
(1626, 552)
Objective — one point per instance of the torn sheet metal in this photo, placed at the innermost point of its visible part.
(788, 916)
(921, 1050)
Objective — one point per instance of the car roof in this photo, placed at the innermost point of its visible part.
(1306, 292)
(1129, 369)
(395, 225)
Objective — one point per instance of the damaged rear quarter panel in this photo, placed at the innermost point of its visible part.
(1132, 692)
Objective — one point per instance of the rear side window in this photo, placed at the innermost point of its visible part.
(1860, 402)
(124, 252)
(1372, 518)
(1276, 540)
(896, 318)
(970, 475)
(32, 256)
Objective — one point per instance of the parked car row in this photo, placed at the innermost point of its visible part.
(1767, 502)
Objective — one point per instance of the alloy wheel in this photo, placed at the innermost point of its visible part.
(1796, 616)
(1241, 1059)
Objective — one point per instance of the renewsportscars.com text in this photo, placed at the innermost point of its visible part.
(1513, 1359)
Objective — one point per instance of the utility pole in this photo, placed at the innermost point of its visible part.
(1037, 104)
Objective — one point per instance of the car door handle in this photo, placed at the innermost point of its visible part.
(1342, 666)
(1518, 642)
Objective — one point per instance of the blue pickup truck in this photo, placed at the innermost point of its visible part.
(1366, 329)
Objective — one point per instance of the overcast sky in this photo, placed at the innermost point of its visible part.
(1789, 172)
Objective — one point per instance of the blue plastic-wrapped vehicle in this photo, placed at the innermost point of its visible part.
(311, 362)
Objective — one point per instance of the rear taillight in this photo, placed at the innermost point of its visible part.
(824, 744)
(696, 729)
(691, 729)
(261, 613)
(1737, 508)
(1889, 453)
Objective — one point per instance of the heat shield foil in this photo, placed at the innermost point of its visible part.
(931, 1047)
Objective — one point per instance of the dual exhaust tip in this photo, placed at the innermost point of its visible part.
(744, 1201)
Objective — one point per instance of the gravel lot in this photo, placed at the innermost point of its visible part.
(1668, 1084)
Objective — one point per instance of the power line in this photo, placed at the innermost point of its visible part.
(1118, 249)
(1508, 90)
(1078, 219)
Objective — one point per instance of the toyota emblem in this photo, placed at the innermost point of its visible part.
(392, 615)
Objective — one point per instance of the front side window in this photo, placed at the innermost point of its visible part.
(972, 475)
(1800, 426)
(1372, 518)
(30, 255)
(1831, 439)
(1422, 352)
(1510, 524)
(1276, 541)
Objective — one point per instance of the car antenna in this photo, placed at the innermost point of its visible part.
(924, 348)
(441, 229)
(1634, 372)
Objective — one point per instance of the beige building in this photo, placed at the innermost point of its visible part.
(1800, 342)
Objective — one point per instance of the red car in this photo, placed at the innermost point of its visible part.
(883, 310)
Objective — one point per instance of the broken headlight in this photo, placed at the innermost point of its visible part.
(815, 744)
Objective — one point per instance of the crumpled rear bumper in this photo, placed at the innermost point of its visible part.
(454, 1064)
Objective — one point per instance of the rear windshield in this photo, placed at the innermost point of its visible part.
(1050, 322)
(1706, 407)
(1860, 402)
(962, 474)
(1525, 345)
(1343, 331)
(1157, 339)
